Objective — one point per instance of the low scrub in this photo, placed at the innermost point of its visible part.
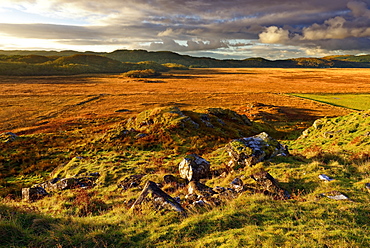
(148, 73)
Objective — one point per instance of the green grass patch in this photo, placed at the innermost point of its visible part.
(351, 101)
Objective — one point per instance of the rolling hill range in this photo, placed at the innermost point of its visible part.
(72, 62)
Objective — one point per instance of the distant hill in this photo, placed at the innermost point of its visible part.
(79, 63)
(19, 62)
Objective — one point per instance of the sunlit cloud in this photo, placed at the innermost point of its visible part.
(273, 29)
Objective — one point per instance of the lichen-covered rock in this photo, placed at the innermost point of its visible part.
(158, 197)
(33, 194)
(269, 185)
(251, 150)
(58, 184)
(194, 167)
(8, 137)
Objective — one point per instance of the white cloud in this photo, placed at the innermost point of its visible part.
(273, 35)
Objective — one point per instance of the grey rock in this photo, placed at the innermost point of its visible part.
(252, 150)
(336, 195)
(194, 167)
(325, 178)
(269, 185)
(33, 194)
(160, 199)
(58, 184)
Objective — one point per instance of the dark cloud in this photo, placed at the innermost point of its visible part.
(350, 31)
(288, 26)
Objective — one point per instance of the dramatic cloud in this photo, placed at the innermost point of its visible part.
(289, 27)
(347, 32)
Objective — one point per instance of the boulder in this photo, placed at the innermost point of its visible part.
(336, 195)
(159, 198)
(33, 194)
(269, 185)
(252, 150)
(194, 167)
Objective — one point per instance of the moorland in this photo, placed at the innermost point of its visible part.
(74, 124)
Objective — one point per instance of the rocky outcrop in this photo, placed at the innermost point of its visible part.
(269, 185)
(58, 184)
(159, 198)
(251, 150)
(201, 195)
(38, 191)
(194, 167)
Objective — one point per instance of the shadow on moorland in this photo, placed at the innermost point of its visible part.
(75, 79)
(286, 113)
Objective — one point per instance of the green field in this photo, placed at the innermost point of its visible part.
(351, 101)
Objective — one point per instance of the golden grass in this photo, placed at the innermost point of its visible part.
(33, 101)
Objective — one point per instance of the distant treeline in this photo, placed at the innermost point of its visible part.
(22, 62)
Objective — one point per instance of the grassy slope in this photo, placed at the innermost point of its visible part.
(253, 220)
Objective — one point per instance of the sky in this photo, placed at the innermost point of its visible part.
(228, 29)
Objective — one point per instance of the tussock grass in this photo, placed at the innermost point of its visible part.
(101, 216)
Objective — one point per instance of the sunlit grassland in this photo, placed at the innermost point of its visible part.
(251, 220)
(72, 125)
(351, 101)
